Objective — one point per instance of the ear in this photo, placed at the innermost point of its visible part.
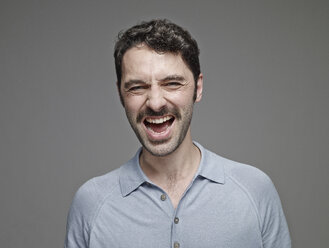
(120, 95)
(199, 88)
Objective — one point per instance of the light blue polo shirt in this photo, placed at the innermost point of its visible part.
(228, 204)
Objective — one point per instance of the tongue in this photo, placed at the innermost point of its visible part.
(158, 128)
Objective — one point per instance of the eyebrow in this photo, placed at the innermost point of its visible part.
(165, 79)
(173, 77)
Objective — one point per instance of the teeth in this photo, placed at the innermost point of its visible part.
(158, 121)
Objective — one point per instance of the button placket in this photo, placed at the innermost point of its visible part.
(176, 228)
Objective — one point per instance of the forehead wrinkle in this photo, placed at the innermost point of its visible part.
(135, 69)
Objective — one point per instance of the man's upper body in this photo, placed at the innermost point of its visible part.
(174, 193)
(227, 204)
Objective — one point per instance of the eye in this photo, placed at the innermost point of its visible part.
(173, 84)
(136, 88)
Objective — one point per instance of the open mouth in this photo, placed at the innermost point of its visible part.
(158, 125)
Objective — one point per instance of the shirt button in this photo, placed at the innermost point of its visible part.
(176, 220)
(176, 245)
(163, 197)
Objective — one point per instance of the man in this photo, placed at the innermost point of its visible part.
(174, 192)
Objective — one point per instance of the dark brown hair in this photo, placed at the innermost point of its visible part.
(162, 36)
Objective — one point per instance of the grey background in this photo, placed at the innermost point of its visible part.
(265, 103)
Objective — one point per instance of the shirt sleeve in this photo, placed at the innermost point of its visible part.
(79, 217)
(261, 190)
(274, 228)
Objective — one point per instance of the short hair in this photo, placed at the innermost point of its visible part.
(162, 36)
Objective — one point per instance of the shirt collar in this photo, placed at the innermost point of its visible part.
(211, 165)
(132, 176)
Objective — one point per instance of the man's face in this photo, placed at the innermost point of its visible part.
(157, 92)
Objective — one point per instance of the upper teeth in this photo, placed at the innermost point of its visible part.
(158, 121)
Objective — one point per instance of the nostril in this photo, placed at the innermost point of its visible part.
(156, 103)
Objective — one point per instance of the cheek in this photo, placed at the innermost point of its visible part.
(182, 98)
(133, 103)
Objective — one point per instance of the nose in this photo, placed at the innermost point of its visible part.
(155, 99)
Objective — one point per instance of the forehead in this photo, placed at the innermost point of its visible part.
(143, 62)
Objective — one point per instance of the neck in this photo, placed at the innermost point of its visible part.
(180, 165)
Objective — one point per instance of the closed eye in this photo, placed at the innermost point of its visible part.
(137, 88)
(173, 84)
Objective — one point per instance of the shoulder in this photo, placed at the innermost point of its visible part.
(256, 184)
(95, 190)
(90, 196)
(250, 178)
(85, 205)
(260, 190)
(245, 176)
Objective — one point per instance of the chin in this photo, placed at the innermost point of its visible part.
(160, 149)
